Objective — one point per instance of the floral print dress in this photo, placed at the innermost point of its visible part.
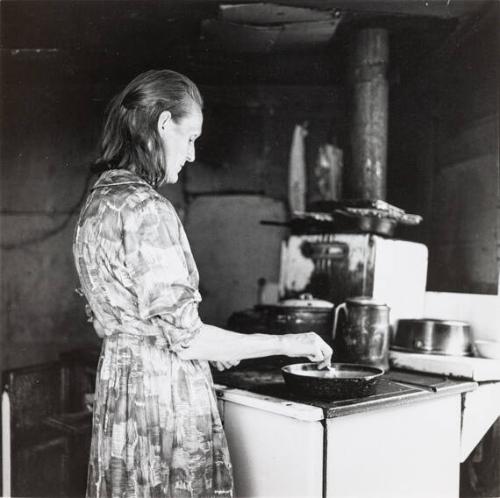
(156, 428)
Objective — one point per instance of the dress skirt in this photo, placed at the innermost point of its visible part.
(156, 427)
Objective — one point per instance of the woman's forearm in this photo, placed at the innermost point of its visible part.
(217, 344)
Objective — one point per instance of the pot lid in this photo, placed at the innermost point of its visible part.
(365, 301)
(306, 301)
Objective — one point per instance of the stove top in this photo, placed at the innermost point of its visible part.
(395, 387)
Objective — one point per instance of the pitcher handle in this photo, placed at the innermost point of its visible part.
(336, 316)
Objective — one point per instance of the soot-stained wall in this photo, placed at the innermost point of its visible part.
(444, 157)
(53, 101)
(50, 123)
(55, 83)
(241, 179)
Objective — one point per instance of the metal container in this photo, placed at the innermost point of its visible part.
(340, 381)
(431, 336)
(361, 332)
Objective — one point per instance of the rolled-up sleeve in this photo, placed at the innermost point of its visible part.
(158, 271)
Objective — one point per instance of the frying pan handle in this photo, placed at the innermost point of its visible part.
(336, 316)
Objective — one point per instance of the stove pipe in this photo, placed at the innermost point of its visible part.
(368, 176)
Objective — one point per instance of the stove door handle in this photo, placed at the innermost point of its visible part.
(324, 250)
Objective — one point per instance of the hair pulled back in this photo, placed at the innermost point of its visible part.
(130, 137)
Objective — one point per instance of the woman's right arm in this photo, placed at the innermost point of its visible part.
(216, 344)
(166, 296)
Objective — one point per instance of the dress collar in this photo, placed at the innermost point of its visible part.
(119, 177)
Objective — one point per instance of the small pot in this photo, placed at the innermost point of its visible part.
(295, 316)
(430, 336)
(340, 381)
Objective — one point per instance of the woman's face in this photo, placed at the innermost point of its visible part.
(178, 140)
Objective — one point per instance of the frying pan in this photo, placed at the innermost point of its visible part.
(340, 381)
(341, 222)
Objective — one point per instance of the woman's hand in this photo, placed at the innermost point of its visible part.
(310, 345)
(224, 365)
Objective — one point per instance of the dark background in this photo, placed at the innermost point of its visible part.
(61, 61)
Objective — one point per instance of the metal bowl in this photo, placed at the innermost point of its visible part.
(487, 349)
(340, 381)
(430, 336)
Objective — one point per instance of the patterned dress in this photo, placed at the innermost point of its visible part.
(156, 428)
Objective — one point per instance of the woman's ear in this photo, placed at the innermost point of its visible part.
(164, 120)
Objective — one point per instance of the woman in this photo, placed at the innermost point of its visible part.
(156, 428)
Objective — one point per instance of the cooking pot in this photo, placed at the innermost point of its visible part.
(340, 381)
(430, 336)
(304, 314)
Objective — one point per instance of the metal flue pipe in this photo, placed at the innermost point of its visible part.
(368, 176)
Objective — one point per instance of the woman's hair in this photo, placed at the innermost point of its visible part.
(130, 137)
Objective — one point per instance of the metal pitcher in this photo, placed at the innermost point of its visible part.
(363, 335)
